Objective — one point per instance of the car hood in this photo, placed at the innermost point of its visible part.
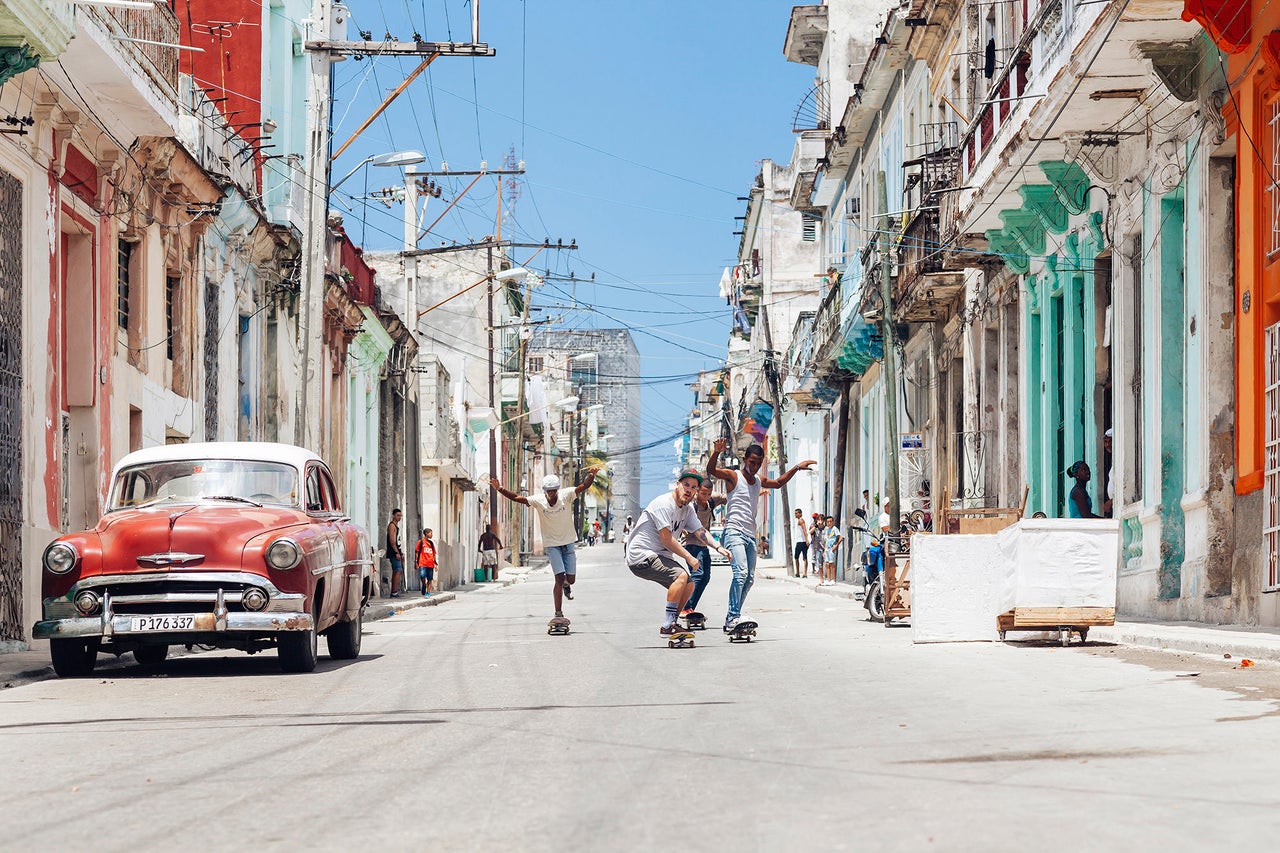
(174, 537)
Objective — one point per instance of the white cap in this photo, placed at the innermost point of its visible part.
(1108, 434)
(550, 483)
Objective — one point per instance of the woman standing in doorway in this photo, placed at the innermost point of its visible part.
(1080, 505)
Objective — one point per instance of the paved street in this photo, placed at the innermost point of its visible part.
(465, 727)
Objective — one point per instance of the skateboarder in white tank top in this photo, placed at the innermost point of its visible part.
(740, 518)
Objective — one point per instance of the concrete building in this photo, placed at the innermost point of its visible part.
(602, 368)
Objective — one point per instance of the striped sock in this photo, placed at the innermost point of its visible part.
(673, 610)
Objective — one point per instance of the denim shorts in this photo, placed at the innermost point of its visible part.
(563, 559)
(659, 569)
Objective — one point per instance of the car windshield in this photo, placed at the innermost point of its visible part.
(193, 479)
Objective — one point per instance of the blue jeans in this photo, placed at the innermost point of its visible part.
(563, 559)
(742, 557)
(702, 576)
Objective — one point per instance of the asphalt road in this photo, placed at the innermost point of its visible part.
(466, 727)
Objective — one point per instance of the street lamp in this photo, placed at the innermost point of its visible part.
(393, 158)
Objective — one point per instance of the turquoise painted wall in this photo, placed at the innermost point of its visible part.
(1172, 445)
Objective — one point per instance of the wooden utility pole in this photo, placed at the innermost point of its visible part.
(771, 371)
(524, 368)
(890, 363)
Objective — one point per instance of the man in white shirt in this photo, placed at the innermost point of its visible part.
(654, 552)
(555, 514)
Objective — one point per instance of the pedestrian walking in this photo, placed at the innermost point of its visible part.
(425, 556)
(831, 551)
(704, 504)
(490, 545)
(555, 513)
(740, 525)
(395, 554)
(802, 545)
(653, 550)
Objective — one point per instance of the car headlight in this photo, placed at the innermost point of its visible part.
(283, 554)
(60, 558)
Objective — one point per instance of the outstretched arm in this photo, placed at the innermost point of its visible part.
(586, 484)
(782, 481)
(713, 465)
(705, 538)
(509, 495)
(669, 542)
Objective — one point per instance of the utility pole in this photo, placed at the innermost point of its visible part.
(771, 371)
(890, 362)
(520, 404)
(306, 427)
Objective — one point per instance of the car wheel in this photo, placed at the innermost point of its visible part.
(73, 658)
(298, 650)
(151, 655)
(344, 638)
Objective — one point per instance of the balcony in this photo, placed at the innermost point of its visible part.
(34, 30)
(806, 34)
(159, 24)
(925, 289)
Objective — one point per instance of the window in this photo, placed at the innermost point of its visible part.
(809, 228)
(1271, 459)
(582, 369)
(315, 495)
(535, 364)
(1273, 178)
(171, 284)
(124, 254)
(331, 502)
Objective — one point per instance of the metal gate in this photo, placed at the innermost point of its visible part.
(1271, 463)
(10, 408)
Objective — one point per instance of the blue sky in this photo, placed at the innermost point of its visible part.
(639, 123)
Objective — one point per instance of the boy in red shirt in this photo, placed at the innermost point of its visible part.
(426, 553)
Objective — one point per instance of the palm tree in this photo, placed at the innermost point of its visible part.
(603, 485)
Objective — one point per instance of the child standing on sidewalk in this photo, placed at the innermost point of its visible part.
(426, 554)
(831, 551)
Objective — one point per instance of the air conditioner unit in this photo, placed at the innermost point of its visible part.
(852, 207)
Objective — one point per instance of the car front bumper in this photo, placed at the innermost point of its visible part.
(208, 611)
(205, 623)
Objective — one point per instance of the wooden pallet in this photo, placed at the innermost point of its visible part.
(1065, 620)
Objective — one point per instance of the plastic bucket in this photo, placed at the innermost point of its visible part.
(479, 574)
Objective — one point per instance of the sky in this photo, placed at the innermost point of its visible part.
(640, 124)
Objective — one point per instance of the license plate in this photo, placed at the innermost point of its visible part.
(185, 622)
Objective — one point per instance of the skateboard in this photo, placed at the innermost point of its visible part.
(696, 621)
(680, 640)
(743, 631)
(558, 625)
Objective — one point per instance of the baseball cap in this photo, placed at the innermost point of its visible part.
(690, 472)
(550, 483)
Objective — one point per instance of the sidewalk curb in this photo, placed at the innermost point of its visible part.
(843, 590)
(1216, 641)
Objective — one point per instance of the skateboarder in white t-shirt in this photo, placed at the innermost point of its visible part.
(555, 512)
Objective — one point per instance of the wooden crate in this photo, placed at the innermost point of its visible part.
(897, 588)
(977, 519)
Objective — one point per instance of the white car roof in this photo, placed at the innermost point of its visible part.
(253, 451)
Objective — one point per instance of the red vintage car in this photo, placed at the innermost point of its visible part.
(237, 545)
